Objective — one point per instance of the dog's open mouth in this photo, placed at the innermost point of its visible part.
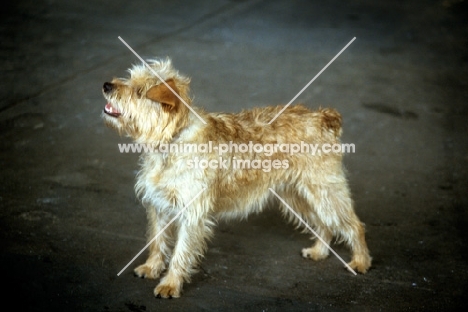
(111, 111)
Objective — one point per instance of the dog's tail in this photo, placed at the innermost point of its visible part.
(331, 121)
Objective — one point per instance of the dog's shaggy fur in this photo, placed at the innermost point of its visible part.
(314, 185)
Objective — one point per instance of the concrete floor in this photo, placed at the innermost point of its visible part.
(69, 218)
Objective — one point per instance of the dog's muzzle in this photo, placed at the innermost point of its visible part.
(107, 88)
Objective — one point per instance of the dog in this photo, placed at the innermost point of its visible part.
(185, 193)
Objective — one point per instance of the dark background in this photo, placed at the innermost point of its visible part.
(69, 219)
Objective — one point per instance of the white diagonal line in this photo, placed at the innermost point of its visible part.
(162, 230)
(310, 82)
(310, 229)
(159, 77)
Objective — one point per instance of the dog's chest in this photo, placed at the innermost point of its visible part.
(161, 183)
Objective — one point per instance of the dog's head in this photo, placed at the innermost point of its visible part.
(151, 105)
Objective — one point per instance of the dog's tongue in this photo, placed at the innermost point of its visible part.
(111, 110)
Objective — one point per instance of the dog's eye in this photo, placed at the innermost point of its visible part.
(139, 91)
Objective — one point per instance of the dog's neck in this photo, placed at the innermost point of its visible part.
(194, 125)
(184, 129)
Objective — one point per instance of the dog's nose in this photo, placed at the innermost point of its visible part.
(107, 87)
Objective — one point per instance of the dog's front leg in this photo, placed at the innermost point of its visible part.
(160, 233)
(189, 249)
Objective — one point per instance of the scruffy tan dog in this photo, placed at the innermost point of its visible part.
(205, 185)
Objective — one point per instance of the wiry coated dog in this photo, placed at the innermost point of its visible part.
(314, 185)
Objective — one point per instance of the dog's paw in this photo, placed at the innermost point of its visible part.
(148, 271)
(360, 263)
(314, 253)
(168, 291)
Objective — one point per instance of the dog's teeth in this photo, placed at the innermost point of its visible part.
(109, 108)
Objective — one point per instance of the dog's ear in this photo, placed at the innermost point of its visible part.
(162, 94)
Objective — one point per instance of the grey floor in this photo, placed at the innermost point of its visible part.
(69, 219)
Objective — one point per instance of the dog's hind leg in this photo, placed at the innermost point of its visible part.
(301, 207)
(332, 205)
